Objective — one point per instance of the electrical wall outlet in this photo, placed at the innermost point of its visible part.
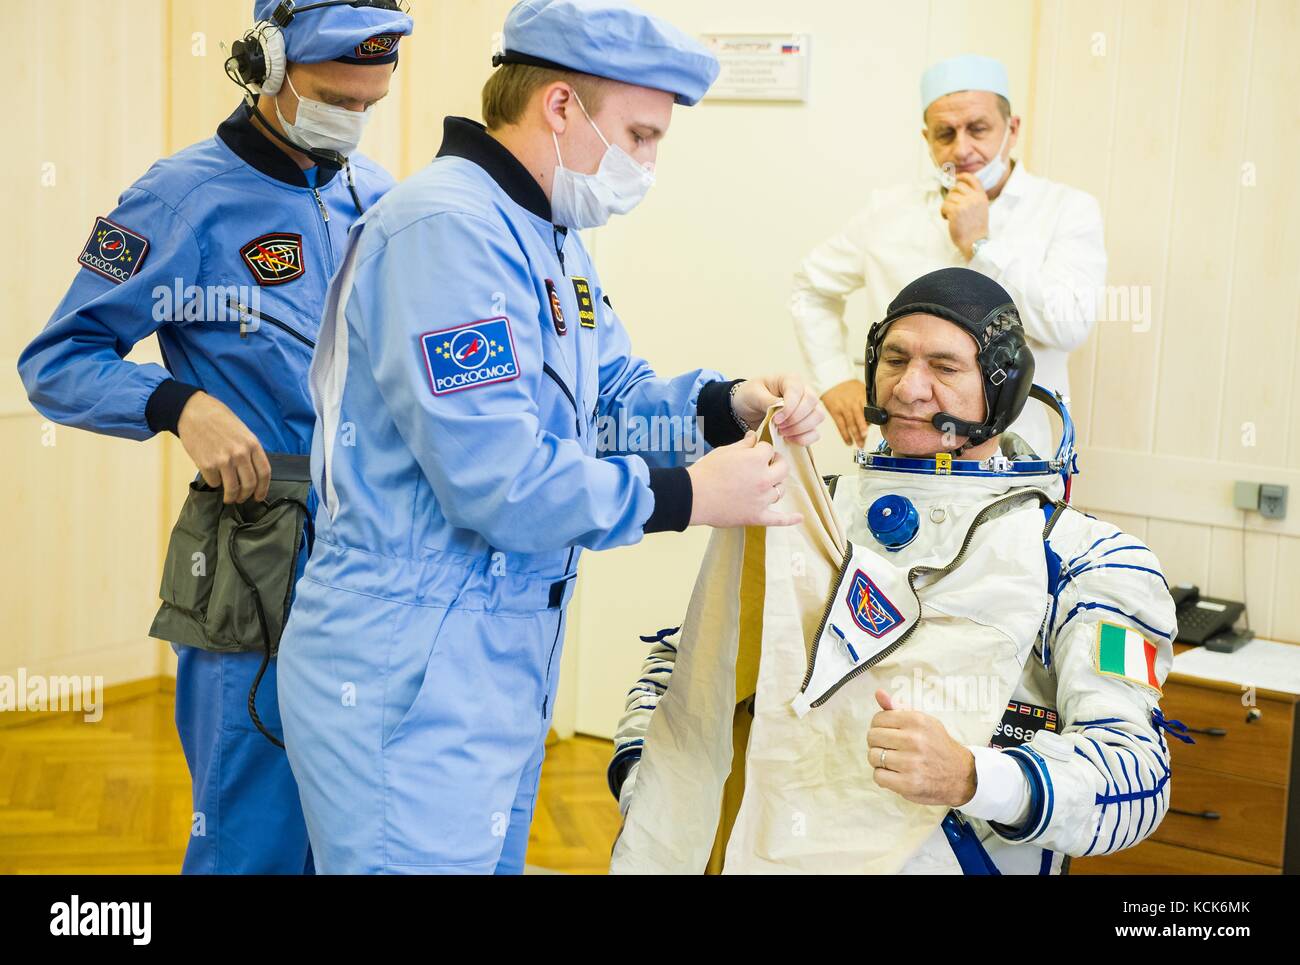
(1272, 501)
(1245, 495)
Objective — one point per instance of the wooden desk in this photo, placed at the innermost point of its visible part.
(1235, 807)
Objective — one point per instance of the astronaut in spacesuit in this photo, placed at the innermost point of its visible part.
(960, 537)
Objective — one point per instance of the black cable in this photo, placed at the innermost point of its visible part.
(261, 611)
(329, 158)
(1245, 591)
(352, 187)
(320, 156)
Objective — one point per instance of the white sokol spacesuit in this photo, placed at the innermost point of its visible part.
(975, 569)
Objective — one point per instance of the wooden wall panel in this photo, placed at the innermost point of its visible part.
(1139, 206)
(1078, 137)
(1203, 236)
(1260, 325)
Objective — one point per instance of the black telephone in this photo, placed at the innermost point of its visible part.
(1202, 617)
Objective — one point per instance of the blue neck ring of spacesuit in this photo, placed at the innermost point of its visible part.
(1064, 463)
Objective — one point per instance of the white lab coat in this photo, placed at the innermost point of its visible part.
(1045, 247)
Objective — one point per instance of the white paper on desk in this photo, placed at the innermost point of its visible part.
(1261, 663)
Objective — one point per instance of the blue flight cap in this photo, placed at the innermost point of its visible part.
(355, 35)
(608, 38)
(967, 72)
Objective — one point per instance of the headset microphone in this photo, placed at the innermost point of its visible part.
(258, 60)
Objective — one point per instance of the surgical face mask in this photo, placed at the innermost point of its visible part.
(323, 127)
(588, 200)
(988, 176)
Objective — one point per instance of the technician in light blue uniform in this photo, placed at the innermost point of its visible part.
(256, 215)
(468, 356)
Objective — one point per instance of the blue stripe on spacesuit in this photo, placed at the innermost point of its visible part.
(1055, 590)
(1163, 784)
(1083, 605)
(1096, 834)
(1130, 796)
(1152, 785)
(1159, 783)
(1106, 800)
(1131, 825)
(1133, 795)
(1121, 733)
(1120, 549)
(1118, 566)
(1051, 791)
(1118, 532)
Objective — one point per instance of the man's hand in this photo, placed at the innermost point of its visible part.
(921, 762)
(796, 422)
(966, 208)
(226, 453)
(845, 403)
(739, 485)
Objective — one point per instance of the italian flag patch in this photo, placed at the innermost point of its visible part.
(1122, 652)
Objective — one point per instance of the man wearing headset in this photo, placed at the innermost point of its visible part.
(245, 228)
(962, 544)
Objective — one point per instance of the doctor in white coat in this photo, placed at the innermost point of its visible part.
(980, 209)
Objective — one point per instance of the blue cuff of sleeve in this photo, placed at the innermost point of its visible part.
(619, 767)
(1041, 797)
(672, 493)
(714, 412)
(163, 410)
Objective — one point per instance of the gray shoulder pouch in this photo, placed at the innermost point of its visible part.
(229, 572)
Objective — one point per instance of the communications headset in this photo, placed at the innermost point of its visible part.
(258, 65)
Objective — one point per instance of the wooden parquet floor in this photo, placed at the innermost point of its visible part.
(114, 797)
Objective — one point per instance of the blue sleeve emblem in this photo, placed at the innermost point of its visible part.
(113, 251)
(470, 355)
